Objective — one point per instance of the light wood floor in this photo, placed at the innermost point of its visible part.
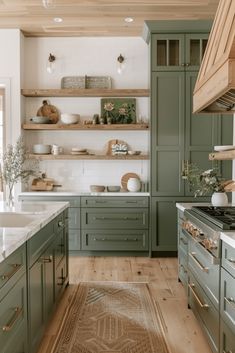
(182, 331)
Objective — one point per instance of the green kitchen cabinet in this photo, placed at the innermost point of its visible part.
(227, 338)
(13, 303)
(178, 137)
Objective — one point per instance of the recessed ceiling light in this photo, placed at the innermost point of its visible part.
(129, 19)
(58, 19)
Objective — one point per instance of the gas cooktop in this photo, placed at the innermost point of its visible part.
(223, 217)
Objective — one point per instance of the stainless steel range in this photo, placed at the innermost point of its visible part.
(204, 224)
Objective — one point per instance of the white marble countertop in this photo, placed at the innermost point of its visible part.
(12, 238)
(79, 193)
(228, 238)
(187, 205)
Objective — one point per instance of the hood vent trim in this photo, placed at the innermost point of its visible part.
(215, 86)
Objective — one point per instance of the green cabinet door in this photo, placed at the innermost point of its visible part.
(167, 133)
(48, 281)
(195, 46)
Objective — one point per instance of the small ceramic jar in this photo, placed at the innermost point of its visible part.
(133, 184)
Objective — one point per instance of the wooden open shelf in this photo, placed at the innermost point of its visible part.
(104, 127)
(87, 157)
(223, 155)
(88, 92)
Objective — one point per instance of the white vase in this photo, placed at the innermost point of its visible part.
(219, 199)
(133, 184)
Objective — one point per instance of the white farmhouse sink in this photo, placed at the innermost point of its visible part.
(16, 220)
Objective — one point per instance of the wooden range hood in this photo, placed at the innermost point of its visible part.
(215, 87)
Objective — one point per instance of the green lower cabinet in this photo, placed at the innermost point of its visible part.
(227, 338)
(13, 319)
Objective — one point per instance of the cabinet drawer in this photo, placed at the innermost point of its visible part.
(206, 270)
(114, 218)
(205, 311)
(227, 301)
(183, 241)
(74, 217)
(115, 240)
(39, 242)
(13, 267)
(74, 239)
(228, 258)
(118, 201)
(18, 343)
(227, 339)
(13, 313)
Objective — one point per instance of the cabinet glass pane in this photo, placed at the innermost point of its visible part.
(173, 52)
(161, 52)
(194, 52)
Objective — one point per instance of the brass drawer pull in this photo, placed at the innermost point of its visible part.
(10, 324)
(131, 201)
(103, 201)
(115, 219)
(203, 268)
(231, 260)
(203, 306)
(115, 239)
(183, 241)
(227, 351)
(46, 260)
(16, 267)
(60, 224)
(230, 301)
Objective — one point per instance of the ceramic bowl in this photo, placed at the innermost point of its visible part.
(41, 149)
(69, 118)
(97, 188)
(113, 188)
(40, 120)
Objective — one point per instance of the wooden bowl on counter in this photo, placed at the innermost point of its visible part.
(97, 188)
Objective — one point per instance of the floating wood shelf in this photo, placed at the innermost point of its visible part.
(104, 127)
(89, 92)
(88, 157)
(223, 155)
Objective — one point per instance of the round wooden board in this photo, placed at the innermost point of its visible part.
(126, 177)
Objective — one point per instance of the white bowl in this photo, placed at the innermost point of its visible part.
(69, 118)
(42, 149)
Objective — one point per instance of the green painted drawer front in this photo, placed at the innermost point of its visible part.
(48, 274)
(115, 240)
(117, 201)
(18, 343)
(108, 218)
(12, 268)
(227, 338)
(228, 258)
(205, 311)
(207, 273)
(183, 241)
(227, 302)
(74, 239)
(13, 314)
(39, 242)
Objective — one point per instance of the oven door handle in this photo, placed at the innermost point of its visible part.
(203, 306)
(230, 301)
(203, 268)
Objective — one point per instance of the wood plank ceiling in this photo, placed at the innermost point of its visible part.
(97, 17)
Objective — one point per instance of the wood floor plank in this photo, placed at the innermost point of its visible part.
(183, 333)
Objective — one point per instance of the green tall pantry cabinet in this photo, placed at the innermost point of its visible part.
(178, 137)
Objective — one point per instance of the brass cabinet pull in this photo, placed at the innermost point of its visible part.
(46, 260)
(227, 351)
(115, 239)
(203, 306)
(60, 224)
(100, 201)
(231, 260)
(230, 301)
(187, 64)
(115, 219)
(10, 324)
(8, 275)
(203, 268)
(131, 201)
(183, 241)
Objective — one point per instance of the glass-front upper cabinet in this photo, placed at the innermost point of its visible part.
(178, 52)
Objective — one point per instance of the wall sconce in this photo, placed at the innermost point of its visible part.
(120, 64)
(51, 64)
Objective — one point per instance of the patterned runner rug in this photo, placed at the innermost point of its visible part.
(111, 317)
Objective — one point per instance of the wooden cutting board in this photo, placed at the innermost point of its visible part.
(125, 179)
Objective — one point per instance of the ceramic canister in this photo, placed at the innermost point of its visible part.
(133, 184)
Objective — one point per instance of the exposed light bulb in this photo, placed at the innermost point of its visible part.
(120, 64)
(48, 4)
(51, 64)
(129, 19)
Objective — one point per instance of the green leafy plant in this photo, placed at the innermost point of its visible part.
(203, 182)
(16, 166)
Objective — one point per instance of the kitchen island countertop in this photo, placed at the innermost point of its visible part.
(11, 238)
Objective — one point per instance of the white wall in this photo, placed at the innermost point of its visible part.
(77, 57)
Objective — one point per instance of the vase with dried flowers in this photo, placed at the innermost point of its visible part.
(16, 167)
